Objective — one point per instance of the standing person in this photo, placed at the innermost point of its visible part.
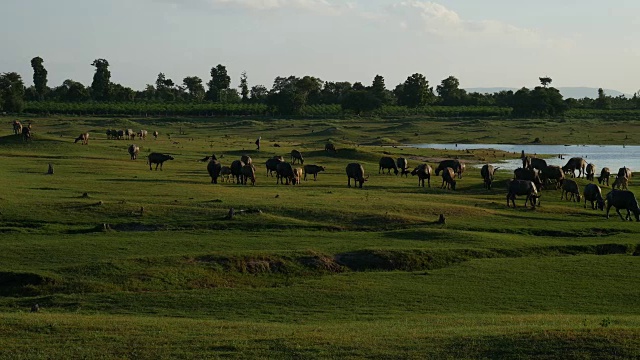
(258, 142)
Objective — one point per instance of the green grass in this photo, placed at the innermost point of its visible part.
(146, 265)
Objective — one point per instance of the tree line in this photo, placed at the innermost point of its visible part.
(288, 95)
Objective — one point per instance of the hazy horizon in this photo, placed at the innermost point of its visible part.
(498, 44)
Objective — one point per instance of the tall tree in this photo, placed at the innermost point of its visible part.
(602, 101)
(11, 92)
(360, 101)
(195, 88)
(39, 77)
(101, 85)
(244, 87)
(165, 88)
(415, 91)
(334, 92)
(220, 80)
(259, 93)
(545, 81)
(450, 92)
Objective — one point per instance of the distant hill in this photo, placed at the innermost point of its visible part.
(567, 92)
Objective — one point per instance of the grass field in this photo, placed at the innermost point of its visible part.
(145, 265)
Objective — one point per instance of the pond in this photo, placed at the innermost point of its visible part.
(612, 156)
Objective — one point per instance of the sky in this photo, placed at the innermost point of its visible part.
(488, 43)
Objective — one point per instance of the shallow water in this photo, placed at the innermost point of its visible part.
(612, 156)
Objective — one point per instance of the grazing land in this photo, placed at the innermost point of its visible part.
(125, 262)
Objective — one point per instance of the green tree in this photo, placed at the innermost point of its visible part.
(39, 77)
(602, 101)
(195, 88)
(165, 88)
(11, 92)
(333, 92)
(101, 85)
(244, 87)
(360, 101)
(258, 94)
(122, 93)
(450, 92)
(220, 80)
(414, 92)
(287, 95)
(545, 81)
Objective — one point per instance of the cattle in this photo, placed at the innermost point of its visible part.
(248, 172)
(213, 168)
(296, 156)
(278, 157)
(454, 164)
(236, 170)
(424, 172)
(461, 169)
(448, 179)
(355, 171)
(528, 174)
(526, 161)
(17, 127)
(272, 165)
(133, 150)
(623, 199)
(26, 133)
(142, 134)
(590, 171)
(605, 173)
(128, 133)
(537, 163)
(625, 172)
(552, 173)
(246, 159)
(330, 147)
(575, 163)
(388, 163)
(621, 182)
(155, 135)
(120, 134)
(225, 173)
(520, 188)
(158, 159)
(487, 172)
(570, 187)
(403, 166)
(285, 172)
(593, 193)
(84, 138)
(313, 170)
(110, 134)
(297, 173)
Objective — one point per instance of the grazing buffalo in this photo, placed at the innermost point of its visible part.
(285, 171)
(225, 173)
(448, 179)
(158, 159)
(84, 138)
(128, 133)
(248, 173)
(570, 187)
(330, 147)
(17, 127)
(142, 134)
(111, 134)
(454, 164)
(590, 171)
(214, 168)
(355, 171)
(297, 173)
(424, 172)
(26, 133)
(403, 166)
(537, 163)
(236, 170)
(621, 182)
(272, 165)
(296, 156)
(551, 174)
(246, 159)
(520, 188)
(133, 150)
(625, 172)
(526, 161)
(605, 173)
(593, 193)
(388, 163)
(313, 170)
(487, 172)
(575, 163)
(120, 134)
(528, 174)
(155, 135)
(623, 199)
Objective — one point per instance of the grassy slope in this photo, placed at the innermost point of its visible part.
(303, 277)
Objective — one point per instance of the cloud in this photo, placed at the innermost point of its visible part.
(325, 7)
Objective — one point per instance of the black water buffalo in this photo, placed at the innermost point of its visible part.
(355, 171)
(312, 170)
(590, 172)
(625, 172)
(570, 187)
(272, 165)
(528, 174)
(133, 150)
(520, 188)
(236, 170)
(623, 199)
(158, 159)
(448, 179)
(552, 173)
(487, 171)
(296, 156)
(285, 171)
(456, 165)
(593, 193)
(537, 163)
(605, 173)
(84, 138)
(246, 159)
(214, 168)
(424, 172)
(403, 166)
(387, 163)
(248, 173)
(575, 163)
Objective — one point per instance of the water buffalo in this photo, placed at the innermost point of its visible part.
(128, 133)
(313, 170)
(246, 159)
(461, 170)
(570, 187)
(17, 127)
(214, 168)
(448, 179)
(120, 134)
(297, 173)
(388, 163)
(625, 172)
(623, 199)
(111, 134)
(552, 173)
(330, 147)
(522, 187)
(593, 193)
(155, 135)
(590, 171)
(26, 133)
(133, 150)
(528, 174)
(621, 182)
(236, 170)
(355, 171)
(575, 163)
(225, 173)
(403, 166)
(142, 134)
(526, 162)
(248, 172)
(605, 173)
(424, 172)
(296, 156)
(454, 164)
(285, 171)
(84, 138)
(272, 165)
(487, 172)
(537, 163)
(158, 159)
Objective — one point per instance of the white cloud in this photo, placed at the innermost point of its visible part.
(317, 6)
